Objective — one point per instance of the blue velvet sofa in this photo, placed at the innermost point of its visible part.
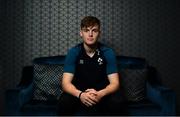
(158, 100)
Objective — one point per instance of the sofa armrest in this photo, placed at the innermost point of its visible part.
(12, 102)
(162, 96)
(26, 94)
(16, 98)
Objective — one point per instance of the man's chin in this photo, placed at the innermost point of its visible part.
(90, 43)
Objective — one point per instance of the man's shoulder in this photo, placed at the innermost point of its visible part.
(76, 48)
(105, 49)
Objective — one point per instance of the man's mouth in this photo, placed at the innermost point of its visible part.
(90, 39)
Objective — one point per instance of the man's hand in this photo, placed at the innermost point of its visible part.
(98, 94)
(89, 98)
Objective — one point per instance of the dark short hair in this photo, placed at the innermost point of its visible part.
(90, 21)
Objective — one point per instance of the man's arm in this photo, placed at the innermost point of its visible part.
(67, 85)
(112, 87)
(69, 69)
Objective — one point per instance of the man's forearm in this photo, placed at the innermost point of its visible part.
(67, 86)
(113, 84)
(111, 88)
(71, 89)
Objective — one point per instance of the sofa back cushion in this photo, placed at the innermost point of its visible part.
(47, 79)
(133, 72)
(133, 83)
(126, 62)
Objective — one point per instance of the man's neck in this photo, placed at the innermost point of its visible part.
(90, 50)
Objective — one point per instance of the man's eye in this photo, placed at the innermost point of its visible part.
(85, 30)
(95, 30)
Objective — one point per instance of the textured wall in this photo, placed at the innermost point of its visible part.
(143, 28)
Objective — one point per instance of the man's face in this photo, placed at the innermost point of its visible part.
(90, 34)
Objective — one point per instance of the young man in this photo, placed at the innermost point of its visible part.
(90, 75)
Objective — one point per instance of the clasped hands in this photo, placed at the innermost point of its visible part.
(90, 97)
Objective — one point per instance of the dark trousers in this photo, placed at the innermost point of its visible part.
(110, 105)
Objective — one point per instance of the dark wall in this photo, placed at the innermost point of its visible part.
(142, 28)
(2, 35)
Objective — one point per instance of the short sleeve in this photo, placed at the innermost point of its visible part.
(70, 61)
(111, 61)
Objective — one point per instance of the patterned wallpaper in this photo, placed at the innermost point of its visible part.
(35, 28)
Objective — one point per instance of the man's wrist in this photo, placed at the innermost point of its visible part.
(103, 93)
(80, 94)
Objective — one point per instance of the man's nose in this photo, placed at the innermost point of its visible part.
(90, 33)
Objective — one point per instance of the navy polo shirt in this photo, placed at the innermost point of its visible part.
(90, 72)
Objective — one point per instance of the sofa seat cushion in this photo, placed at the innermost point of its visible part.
(37, 107)
(140, 104)
(143, 107)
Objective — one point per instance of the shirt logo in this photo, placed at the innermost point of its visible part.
(98, 52)
(81, 61)
(100, 61)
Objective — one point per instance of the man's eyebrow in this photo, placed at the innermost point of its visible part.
(85, 29)
(91, 28)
